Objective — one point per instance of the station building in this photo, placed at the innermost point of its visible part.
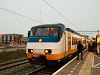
(12, 39)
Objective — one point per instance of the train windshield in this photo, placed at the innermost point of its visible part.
(44, 32)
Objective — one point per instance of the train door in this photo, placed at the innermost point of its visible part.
(64, 43)
(69, 42)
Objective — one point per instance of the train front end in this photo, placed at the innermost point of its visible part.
(44, 44)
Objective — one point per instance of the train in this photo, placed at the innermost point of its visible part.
(97, 44)
(52, 43)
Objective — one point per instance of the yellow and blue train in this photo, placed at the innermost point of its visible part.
(52, 43)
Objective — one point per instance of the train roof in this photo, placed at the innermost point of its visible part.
(50, 25)
(72, 31)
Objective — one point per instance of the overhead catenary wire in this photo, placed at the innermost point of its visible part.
(31, 6)
(70, 11)
(34, 8)
(59, 13)
(19, 15)
(39, 10)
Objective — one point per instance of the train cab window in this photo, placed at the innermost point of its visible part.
(32, 32)
(54, 32)
(42, 32)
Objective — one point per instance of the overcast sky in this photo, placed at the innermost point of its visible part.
(79, 15)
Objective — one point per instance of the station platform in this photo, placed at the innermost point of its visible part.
(90, 65)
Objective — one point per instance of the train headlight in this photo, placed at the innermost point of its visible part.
(30, 50)
(47, 51)
(40, 40)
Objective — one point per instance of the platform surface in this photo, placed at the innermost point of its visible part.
(90, 65)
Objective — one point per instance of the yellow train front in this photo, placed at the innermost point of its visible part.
(51, 43)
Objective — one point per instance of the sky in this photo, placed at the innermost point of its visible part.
(18, 16)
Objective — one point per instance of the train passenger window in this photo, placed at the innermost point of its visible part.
(74, 40)
(42, 32)
(54, 32)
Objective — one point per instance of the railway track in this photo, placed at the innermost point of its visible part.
(43, 70)
(13, 64)
(37, 69)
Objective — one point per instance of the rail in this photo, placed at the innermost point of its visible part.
(13, 64)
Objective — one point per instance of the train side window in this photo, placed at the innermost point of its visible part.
(74, 40)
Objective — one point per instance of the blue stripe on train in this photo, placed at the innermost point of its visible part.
(44, 39)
